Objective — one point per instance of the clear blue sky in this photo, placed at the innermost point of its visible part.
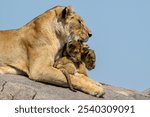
(121, 35)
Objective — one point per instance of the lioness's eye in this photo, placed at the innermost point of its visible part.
(79, 21)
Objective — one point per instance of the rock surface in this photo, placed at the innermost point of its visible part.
(20, 87)
(147, 91)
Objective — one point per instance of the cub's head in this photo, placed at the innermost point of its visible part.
(74, 50)
(74, 26)
(89, 58)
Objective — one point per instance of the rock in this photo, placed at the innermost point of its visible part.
(21, 87)
(118, 93)
(147, 91)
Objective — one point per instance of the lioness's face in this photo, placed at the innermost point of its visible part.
(76, 26)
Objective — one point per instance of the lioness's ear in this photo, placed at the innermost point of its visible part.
(67, 11)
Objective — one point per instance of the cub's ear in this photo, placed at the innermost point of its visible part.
(67, 11)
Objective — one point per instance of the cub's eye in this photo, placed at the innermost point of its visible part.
(91, 60)
(71, 46)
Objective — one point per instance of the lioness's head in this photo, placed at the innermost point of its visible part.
(73, 25)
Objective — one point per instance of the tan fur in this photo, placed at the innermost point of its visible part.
(71, 59)
(68, 63)
(33, 48)
(89, 58)
(76, 57)
(68, 68)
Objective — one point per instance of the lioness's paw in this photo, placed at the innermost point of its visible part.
(99, 92)
(89, 86)
(97, 83)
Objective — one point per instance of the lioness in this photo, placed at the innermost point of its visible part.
(33, 48)
(76, 57)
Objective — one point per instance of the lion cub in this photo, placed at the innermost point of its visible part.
(76, 57)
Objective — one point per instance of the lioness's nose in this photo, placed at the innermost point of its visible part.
(90, 34)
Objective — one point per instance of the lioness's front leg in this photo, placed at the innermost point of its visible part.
(42, 70)
(52, 75)
(88, 78)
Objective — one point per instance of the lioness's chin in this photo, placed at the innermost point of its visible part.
(83, 40)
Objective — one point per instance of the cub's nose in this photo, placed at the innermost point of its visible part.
(90, 34)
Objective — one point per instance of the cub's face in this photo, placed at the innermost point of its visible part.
(81, 52)
(74, 49)
(90, 59)
(76, 26)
